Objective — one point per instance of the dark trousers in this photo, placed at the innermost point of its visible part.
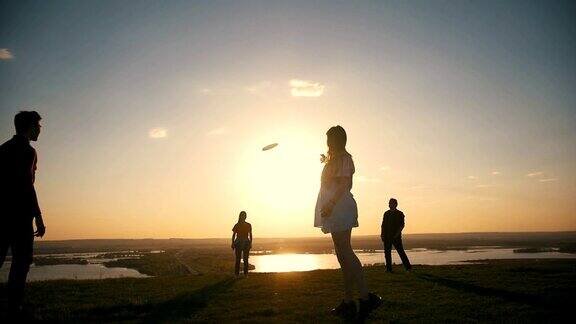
(21, 244)
(397, 243)
(242, 250)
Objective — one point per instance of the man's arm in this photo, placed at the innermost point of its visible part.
(27, 170)
(40, 227)
(401, 225)
(233, 237)
(382, 228)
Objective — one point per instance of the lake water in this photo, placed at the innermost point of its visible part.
(93, 270)
(307, 262)
(277, 262)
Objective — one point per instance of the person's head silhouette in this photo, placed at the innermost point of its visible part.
(27, 124)
(242, 217)
(336, 139)
(393, 203)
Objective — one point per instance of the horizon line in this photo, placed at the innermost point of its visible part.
(308, 237)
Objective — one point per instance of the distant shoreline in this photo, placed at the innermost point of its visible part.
(318, 237)
(566, 241)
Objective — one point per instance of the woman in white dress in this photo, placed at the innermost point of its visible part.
(336, 213)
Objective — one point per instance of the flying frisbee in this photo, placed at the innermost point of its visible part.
(269, 147)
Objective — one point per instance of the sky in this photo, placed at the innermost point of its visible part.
(155, 112)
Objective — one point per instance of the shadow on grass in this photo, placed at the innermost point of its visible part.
(510, 296)
(182, 307)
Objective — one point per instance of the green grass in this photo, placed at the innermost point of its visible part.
(156, 264)
(503, 291)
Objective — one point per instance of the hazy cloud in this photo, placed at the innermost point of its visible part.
(547, 180)
(482, 198)
(220, 90)
(5, 54)
(206, 91)
(259, 88)
(385, 168)
(471, 177)
(304, 88)
(217, 131)
(362, 178)
(158, 132)
(496, 173)
(418, 187)
(535, 174)
(223, 91)
(485, 186)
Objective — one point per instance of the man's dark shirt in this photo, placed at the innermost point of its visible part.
(18, 201)
(392, 223)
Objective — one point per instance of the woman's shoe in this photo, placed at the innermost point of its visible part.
(345, 310)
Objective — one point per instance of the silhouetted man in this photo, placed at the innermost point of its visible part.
(391, 234)
(18, 203)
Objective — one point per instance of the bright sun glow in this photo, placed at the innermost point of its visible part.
(284, 179)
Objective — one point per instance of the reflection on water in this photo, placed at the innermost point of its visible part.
(290, 262)
(306, 262)
(266, 262)
(73, 271)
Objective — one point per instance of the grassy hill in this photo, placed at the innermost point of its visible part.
(500, 291)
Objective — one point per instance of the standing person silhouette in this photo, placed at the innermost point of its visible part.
(241, 242)
(19, 204)
(336, 213)
(392, 225)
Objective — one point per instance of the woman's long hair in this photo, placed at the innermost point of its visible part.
(242, 217)
(336, 141)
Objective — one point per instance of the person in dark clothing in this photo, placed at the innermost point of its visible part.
(19, 204)
(391, 234)
(241, 243)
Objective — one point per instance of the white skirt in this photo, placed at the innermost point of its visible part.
(344, 215)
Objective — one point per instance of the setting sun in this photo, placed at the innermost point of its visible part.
(284, 181)
(154, 124)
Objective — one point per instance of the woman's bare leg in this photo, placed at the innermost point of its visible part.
(351, 265)
(238, 254)
(348, 279)
(245, 254)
